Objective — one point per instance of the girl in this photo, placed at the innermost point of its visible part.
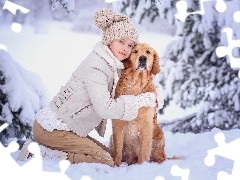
(87, 99)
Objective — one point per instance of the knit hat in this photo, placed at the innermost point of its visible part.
(115, 26)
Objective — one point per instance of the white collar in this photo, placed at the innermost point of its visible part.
(104, 52)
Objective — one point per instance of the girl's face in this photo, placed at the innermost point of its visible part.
(122, 48)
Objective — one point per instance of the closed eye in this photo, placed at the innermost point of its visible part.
(148, 52)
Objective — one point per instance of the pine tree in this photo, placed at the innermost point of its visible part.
(68, 5)
(150, 10)
(22, 94)
(17, 129)
(192, 72)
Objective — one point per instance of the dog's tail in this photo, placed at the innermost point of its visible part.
(176, 158)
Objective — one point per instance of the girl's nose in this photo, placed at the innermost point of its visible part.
(125, 48)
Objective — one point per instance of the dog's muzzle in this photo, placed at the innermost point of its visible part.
(142, 62)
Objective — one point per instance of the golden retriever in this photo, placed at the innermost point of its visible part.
(141, 139)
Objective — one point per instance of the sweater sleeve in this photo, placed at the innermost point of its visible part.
(106, 106)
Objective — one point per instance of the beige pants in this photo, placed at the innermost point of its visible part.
(79, 149)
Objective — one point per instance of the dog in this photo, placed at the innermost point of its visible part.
(141, 139)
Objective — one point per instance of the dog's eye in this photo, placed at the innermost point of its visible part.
(148, 52)
(135, 51)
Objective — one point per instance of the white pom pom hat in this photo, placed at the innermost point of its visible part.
(115, 26)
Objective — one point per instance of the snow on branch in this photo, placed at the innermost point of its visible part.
(68, 5)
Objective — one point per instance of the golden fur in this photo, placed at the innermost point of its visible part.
(141, 139)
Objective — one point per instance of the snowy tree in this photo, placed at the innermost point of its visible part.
(192, 72)
(68, 5)
(45, 12)
(22, 94)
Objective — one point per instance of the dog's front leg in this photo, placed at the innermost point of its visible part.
(118, 146)
(145, 138)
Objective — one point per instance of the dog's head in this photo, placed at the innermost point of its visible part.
(143, 58)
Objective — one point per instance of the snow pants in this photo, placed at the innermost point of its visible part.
(79, 149)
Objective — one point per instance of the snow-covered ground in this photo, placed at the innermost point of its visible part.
(196, 164)
(54, 54)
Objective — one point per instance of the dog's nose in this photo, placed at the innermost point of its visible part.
(142, 63)
(142, 60)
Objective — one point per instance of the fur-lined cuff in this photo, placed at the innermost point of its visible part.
(130, 107)
(48, 119)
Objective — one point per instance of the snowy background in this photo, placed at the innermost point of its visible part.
(53, 48)
(42, 57)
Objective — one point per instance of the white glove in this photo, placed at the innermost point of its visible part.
(133, 103)
(160, 96)
(146, 99)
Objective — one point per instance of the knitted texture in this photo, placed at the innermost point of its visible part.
(160, 95)
(48, 119)
(133, 103)
(115, 26)
(131, 107)
(146, 99)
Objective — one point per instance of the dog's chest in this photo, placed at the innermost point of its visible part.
(131, 136)
(131, 129)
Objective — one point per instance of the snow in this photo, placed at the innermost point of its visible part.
(53, 54)
(192, 148)
(68, 5)
(48, 53)
(23, 88)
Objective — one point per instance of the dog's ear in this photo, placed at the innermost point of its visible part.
(156, 67)
(127, 63)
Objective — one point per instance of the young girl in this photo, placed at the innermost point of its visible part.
(87, 99)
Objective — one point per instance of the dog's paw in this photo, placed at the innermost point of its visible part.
(123, 164)
(117, 161)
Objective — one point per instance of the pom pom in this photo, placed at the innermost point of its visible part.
(104, 18)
